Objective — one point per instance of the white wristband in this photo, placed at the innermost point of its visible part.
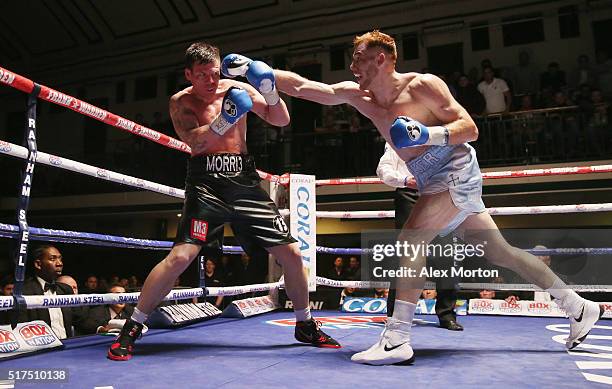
(438, 136)
(272, 97)
(220, 125)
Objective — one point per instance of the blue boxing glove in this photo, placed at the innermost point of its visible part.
(258, 73)
(236, 103)
(407, 132)
(234, 65)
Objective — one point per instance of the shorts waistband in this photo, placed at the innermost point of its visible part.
(222, 163)
(429, 163)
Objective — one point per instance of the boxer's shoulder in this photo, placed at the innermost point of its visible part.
(423, 82)
(182, 98)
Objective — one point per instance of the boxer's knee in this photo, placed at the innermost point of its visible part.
(502, 254)
(179, 260)
(291, 257)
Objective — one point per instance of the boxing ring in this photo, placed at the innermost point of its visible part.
(249, 353)
(259, 351)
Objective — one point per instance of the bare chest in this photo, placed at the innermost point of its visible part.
(206, 113)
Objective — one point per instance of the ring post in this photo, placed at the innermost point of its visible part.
(21, 255)
(303, 211)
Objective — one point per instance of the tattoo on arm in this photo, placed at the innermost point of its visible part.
(186, 120)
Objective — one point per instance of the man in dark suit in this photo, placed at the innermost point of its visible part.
(47, 265)
(337, 272)
(99, 316)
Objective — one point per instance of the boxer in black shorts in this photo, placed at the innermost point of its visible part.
(223, 186)
(226, 188)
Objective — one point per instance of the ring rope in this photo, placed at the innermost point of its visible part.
(48, 234)
(41, 301)
(557, 171)
(501, 211)
(78, 167)
(463, 285)
(89, 170)
(34, 302)
(53, 96)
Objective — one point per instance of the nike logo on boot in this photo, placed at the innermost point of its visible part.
(394, 347)
(579, 318)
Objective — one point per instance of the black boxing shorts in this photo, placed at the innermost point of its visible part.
(222, 188)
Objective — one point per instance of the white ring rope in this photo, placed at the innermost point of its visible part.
(68, 300)
(556, 171)
(34, 302)
(501, 211)
(78, 167)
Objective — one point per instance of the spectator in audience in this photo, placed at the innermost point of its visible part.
(337, 272)
(598, 123)
(565, 127)
(48, 266)
(80, 311)
(492, 294)
(245, 274)
(469, 96)
(91, 285)
(583, 73)
(65, 279)
(604, 73)
(6, 285)
(177, 283)
(582, 96)
(134, 283)
(347, 292)
(526, 103)
(99, 316)
(226, 271)
(382, 293)
(486, 63)
(429, 294)
(524, 76)
(546, 98)
(212, 280)
(102, 285)
(487, 294)
(473, 75)
(495, 91)
(553, 78)
(124, 282)
(353, 272)
(114, 279)
(560, 100)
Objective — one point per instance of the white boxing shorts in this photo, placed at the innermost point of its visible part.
(453, 168)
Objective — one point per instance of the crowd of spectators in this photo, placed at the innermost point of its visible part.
(349, 269)
(524, 86)
(520, 103)
(46, 275)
